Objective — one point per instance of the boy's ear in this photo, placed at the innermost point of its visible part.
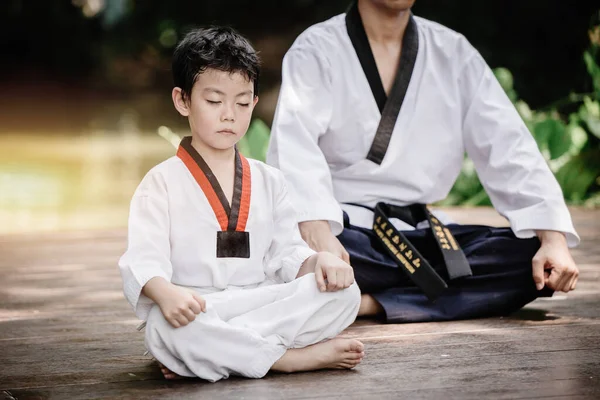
(180, 104)
(254, 101)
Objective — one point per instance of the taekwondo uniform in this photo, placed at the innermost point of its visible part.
(368, 163)
(242, 258)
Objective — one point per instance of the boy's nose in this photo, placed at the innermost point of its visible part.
(228, 115)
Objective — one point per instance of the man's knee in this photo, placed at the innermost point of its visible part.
(527, 247)
(521, 251)
(531, 245)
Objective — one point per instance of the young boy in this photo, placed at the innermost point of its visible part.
(215, 263)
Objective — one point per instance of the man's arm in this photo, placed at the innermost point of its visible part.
(319, 237)
(302, 116)
(507, 159)
(515, 175)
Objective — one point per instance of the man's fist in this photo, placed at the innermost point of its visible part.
(553, 265)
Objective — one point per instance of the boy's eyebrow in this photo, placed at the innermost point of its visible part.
(217, 91)
(209, 89)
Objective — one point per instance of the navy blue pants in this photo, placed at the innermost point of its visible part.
(502, 279)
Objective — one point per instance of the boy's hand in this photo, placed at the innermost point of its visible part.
(180, 306)
(332, 273)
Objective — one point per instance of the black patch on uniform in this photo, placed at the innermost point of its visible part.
(233, 244)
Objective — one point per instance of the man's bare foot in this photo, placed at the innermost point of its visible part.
(335, 353)
(369, 306)
(167, 373)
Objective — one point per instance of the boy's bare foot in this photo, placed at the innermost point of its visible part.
(167, 373)
(336, 353)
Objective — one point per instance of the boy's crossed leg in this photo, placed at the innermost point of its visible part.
(294, 316)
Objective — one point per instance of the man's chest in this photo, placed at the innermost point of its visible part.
(387, 59)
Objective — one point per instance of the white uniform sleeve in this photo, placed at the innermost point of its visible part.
(148, 251)
(511, 168)
(302, 116)
(287, 251)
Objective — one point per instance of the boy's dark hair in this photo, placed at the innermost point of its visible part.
(220, 48)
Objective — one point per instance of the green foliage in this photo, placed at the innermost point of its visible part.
(578, 174)
(506, 80)
(593, 70)
(589, 113)
(254, 144)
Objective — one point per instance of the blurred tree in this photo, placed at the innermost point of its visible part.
(540, 41)
(122, 48)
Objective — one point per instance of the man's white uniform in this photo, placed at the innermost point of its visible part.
(327, 116)
(256, 309)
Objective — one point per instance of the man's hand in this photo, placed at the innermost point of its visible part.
(318, 236)
(332, 273)
(178, 305)
(553, 265)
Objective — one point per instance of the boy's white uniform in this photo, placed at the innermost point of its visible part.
(256, 309)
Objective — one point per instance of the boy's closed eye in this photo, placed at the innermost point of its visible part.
(219, 102)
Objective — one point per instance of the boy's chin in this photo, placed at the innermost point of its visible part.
(224, 144)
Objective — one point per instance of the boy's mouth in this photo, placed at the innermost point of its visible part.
(227, 132)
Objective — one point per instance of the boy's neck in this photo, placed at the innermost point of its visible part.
(383, 25)
(215, 158)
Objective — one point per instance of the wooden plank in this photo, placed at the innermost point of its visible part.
(102, 358)
(330, 385)
(67, 332)
(115, 344)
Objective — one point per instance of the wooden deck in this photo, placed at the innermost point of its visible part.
(66, 332)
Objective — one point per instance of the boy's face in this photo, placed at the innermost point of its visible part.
(219, 108)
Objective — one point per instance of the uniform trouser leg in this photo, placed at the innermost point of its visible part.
(502, 279)
(244, 332)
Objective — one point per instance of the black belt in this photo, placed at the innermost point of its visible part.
(408, 257)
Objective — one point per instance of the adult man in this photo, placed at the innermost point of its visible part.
(376, 110)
